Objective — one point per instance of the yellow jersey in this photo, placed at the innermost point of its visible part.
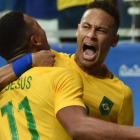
(108, 99)
(28, 106)
(63, 4)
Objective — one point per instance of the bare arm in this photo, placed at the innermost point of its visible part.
(42, 58)
(7, 75)
(81, 127)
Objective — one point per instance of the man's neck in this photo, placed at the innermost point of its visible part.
(97, 71)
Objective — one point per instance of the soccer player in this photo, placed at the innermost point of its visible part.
(107, 97)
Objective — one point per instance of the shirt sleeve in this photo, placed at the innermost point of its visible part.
(68, 91)
(126, 115)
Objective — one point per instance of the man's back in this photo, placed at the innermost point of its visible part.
(29, 105)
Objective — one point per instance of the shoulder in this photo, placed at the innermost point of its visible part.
(44, 71)
(127, 92)
(67, 73)
(65, 76)
(120, 86)
(125, 88)
(61, 54)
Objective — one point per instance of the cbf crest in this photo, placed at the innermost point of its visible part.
(105, 106)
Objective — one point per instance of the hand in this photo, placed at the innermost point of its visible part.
(43, 58)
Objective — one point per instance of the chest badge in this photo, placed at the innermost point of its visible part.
(105, 106)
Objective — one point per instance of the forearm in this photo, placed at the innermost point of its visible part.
(7, 75)
(81, 127)
(21, 65)
(95, 129)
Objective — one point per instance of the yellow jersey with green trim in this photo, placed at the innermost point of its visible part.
(28, 106)
(108, 99)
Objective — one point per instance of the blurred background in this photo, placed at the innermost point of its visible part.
(60, 18)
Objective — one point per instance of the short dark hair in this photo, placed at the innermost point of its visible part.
(13, 34)
(107, 7)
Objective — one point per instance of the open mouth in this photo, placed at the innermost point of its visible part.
(89, 51)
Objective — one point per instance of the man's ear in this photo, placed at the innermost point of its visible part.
(115, 40)
(35, 41)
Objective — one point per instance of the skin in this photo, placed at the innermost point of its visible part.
(81, 127)
(97, 30)
(38, 40)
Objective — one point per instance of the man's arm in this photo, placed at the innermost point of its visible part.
(71, 113)
(81, 127)
(7, 75)
(42, 58)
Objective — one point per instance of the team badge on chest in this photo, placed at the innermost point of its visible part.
(105, 106)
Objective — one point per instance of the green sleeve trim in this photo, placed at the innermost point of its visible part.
(87, 110)
(112, 76)
(70, 55)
